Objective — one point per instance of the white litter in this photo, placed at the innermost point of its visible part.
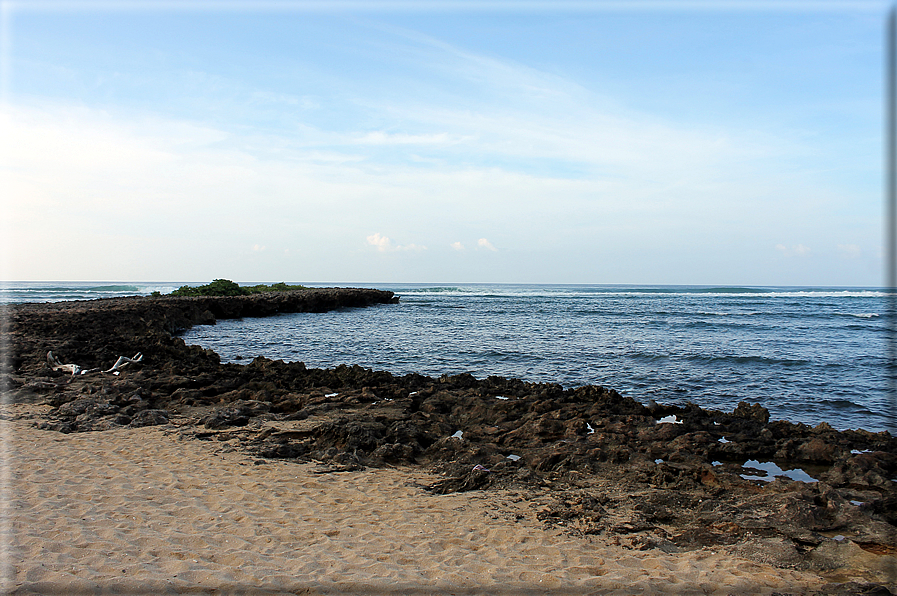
(671, 419)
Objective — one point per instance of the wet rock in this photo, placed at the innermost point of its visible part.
(817, 451)
(876, 469)
(754, 412)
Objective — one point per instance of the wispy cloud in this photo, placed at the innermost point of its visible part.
(797, 250)
(384, 244)
(74, 174)
(273, 98)
(483, 243)
(383, 138)
(544, 162)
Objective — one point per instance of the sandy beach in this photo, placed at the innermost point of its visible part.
(144, 511)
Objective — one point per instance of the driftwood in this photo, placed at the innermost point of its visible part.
(77, 370)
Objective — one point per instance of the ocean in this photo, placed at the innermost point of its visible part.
(809, 355)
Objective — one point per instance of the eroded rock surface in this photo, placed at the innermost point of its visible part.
(588, 459)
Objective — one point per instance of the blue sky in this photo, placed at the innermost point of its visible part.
(664, 142)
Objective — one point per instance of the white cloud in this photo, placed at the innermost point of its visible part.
(457, 246)
(483, 243)
(384, 244)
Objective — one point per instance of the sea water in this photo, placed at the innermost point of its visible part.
(809, 355)
(60, 291)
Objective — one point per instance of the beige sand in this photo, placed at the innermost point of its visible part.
(142, 511)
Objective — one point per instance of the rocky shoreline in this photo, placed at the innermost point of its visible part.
(595, 462)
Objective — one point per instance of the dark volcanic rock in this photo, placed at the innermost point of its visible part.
(149, 418)
(236, 413)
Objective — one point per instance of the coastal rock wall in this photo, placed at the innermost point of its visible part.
(93, 333)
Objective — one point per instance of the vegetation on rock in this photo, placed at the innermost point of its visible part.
(225, 287)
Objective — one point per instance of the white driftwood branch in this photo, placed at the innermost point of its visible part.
(57, 365)
(77, 370)
(124, 361)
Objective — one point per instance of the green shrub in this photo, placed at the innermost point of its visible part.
(225, 287)
(218, 287)
(278, 287)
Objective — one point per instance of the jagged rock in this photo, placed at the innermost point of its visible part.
(754, 412)
(236, 413)
(817, 451)
(149, 418)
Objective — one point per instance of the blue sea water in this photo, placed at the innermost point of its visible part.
(809, 355)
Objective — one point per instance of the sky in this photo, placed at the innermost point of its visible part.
(723, 143)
